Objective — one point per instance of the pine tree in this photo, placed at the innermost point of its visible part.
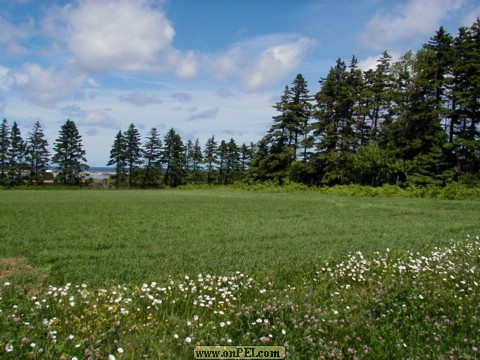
(133, 152)
(69, 154)
(232, 161)
(210, 157)
(4, 146)
(334, 129)
(152, 155)
(175, 159)
(194, 160)
(118, 157)
(465, 127)
(16, 156)
(37, 155)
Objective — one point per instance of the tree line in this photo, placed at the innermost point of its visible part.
(413, 121)
(172, 162)
(28, 160)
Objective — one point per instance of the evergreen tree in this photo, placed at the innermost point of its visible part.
(288, 139)
(152, 155)
(194, 160)
(4, 146)
(118, 157)
(37, 155)
(222, 152)
(16, 156)
(69, 154)
(133, 152)
(232, 162)
(334, 129)
(246, 155)
(174, 158)
(210, 157)
(465, 125)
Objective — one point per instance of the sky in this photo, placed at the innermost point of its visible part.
(202, 67)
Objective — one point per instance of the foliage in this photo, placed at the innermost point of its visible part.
(384, 305)
(69, 155)
(37, 155)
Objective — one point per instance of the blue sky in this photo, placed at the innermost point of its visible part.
(203, 67)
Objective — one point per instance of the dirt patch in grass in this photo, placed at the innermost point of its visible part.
(21, 273)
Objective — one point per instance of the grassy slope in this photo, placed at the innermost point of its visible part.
(136, 236)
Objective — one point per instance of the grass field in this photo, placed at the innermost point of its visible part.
(280, 272)
(132, 236)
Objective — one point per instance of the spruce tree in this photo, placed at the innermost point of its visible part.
(37, 155)
(4, 146)
(133, 152)
(69, 155)
(175, 159)
(194, 160)
(210, 157)
(466, 92)
(118, 157)
(152, 155)
(16, 156)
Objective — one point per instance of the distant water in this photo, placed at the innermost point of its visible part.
(102, 169)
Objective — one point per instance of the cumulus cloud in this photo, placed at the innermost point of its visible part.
(140, 99)
(46, 86)
(415, 18)
(263, 61)
(207, 114)
(126, 35)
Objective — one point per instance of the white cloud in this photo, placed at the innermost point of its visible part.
(263, 61)
(125, 35)
(415, 18)
(276, 62)
(140, 99)
(46, 86)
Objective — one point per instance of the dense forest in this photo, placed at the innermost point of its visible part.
(412, 121)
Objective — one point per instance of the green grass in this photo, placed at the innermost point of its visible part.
(130, 236)
(116, 274)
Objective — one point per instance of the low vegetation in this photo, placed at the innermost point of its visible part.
(132, 274)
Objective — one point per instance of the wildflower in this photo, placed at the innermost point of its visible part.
(264, 339)
(120, 350)
(175, 336)
(188, 339)
(33, 345)
(9, 348)
(111, 357)
(6, 283)
(284, 332)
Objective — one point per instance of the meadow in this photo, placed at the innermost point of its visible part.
(148, 273)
